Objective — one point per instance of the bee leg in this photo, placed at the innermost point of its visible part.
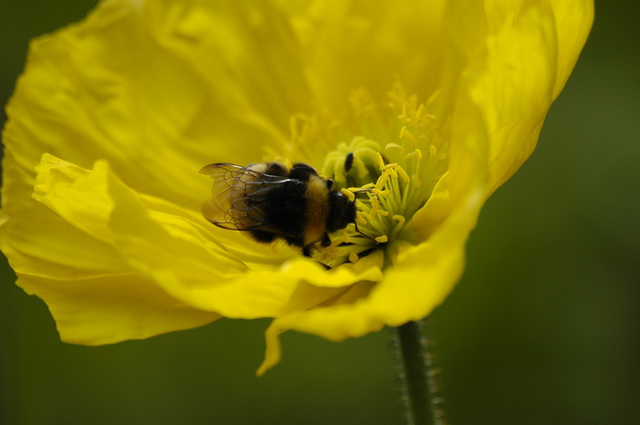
(325, 240)
(306, 251)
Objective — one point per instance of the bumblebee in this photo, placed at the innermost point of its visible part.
(272, 202)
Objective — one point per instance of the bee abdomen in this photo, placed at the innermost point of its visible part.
(285, 208)
(317, 212)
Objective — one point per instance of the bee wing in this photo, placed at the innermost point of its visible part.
(237, 194)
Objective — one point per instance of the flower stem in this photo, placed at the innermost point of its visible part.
(422, 407)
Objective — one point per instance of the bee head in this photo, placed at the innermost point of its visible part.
(342, 211)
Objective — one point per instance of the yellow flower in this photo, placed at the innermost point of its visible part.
(439, 102)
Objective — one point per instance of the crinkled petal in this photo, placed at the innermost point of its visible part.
(515, 56)
(305, 319)
(91, 292)
(530, 49)
(197, 276)
(160, 89)
(173, 248)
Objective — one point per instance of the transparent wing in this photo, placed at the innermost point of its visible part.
(238, 194)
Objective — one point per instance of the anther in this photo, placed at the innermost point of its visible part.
(349, 194)
(419, 111)
(382, 239)
(415, 154)
(362, 217)
(379, 192)
(374, 207)
(405, 134)
(392, 171)
(399, 218)
(390, 146)
(382, 181)
(381, 163)
(403, 174)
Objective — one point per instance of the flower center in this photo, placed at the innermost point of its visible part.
(389, 167)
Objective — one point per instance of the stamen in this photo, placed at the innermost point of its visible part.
(405, 134)
(387, 176)
(344, 237)
(378, 192)
(391, 169)
(365, 188)
(391, 146)
(380, 160)
(374, 208)
(404, 175)
(382, 239)
(419, 112)
(363, 217)
(349, 194)
(382, 181)
(401, 220)
(415, 154)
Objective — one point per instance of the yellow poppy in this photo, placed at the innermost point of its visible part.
(438, 102)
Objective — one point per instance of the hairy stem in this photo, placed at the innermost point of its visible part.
(422, 406)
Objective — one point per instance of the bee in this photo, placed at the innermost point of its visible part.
(272, 202)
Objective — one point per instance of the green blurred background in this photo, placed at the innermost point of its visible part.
(542, 329)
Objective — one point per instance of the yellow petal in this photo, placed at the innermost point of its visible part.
(98, 310)
(348, 45)
(173, 248)
(573, 21)
(515, 56)
(302, 318)
(93, 295)
(159, 90)
(530, 50)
